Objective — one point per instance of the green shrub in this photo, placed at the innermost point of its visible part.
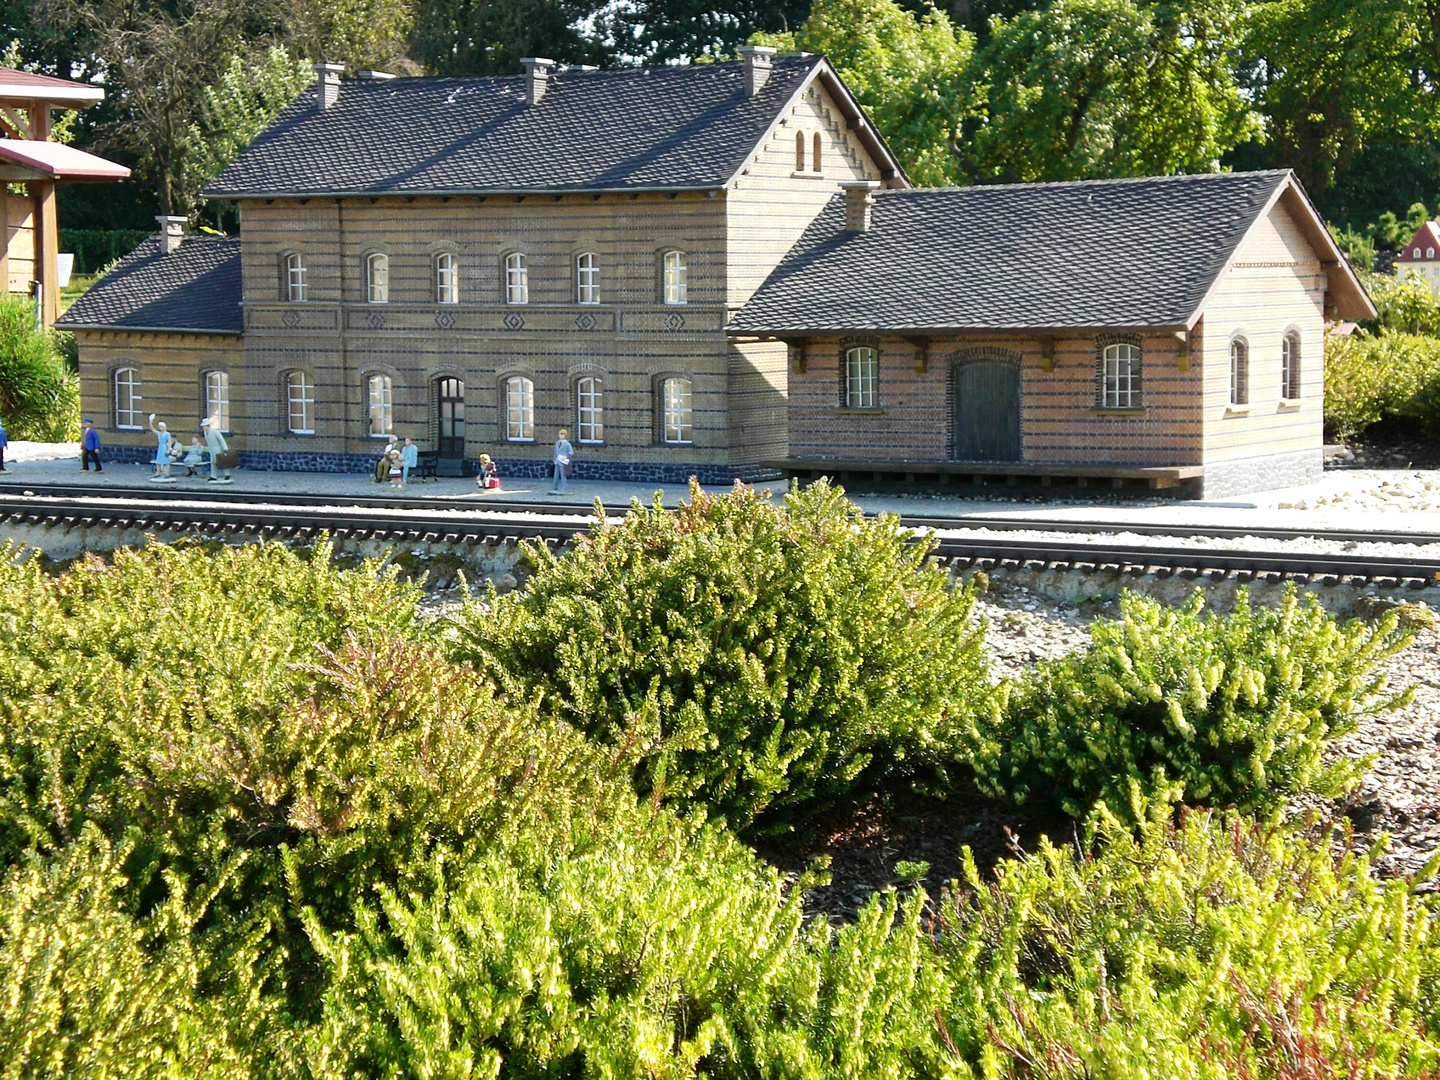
(1368, 379)
(1402, 307)
(1233, 710)
(39, 396)
(1214, 949)
(794, 654)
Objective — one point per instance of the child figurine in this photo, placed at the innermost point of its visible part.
(397, 473)
(489, 476)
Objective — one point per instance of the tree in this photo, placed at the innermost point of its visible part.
(360, 34)
(664, 31)
(912, 74)
(1095, 88)
(481, 37)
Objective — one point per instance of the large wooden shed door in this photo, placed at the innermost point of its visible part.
(987, 412)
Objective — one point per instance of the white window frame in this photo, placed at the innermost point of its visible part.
(377, 278)
(517, 278)
(862, 377)
(674, 278)
(519, 409)
(587, 278)
(296, 290)
(590, 410)
(447, 278)
(677, 411)
(1290, 353)
(1120, 376)
(380, 391)
(217, 397)
(1239, 371)
(300, 391)
(128, 408)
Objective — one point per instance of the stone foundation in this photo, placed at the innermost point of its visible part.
(1223, 479)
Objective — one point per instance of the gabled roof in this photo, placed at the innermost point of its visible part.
(659, 128)
(1426, 237)
(194, 289)
(57, 161)
(1089, 255)
(18, 85)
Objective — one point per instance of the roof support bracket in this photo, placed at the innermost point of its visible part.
(1047, 352)
(922, 353)
(1182, 356)
(796, 349)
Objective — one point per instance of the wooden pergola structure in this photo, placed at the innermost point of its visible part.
(28, 156)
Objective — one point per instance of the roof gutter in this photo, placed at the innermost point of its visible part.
(781, 333)
(444, 193)
(61, 324)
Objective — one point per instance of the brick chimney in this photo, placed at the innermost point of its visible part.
(172, 232)
(757, 67)
(537, 72)
(329, 76)
(859, 198)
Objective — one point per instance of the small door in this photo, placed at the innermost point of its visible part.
(987, 412)
(450, 403)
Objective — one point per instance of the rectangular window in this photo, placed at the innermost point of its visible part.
(862, 366)
(301, 393)
(589, 402)
(517, 279)
(128, 412)
(382, 407)
(675, 288)
(377, 279)
(1239, 373)
(519, 409)
(1290, 367)
(679, 418)
(295, 290)
(1120, 377)
(447, 288)
(587, 279)
(217, 398)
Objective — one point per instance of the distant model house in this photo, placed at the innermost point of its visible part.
(1420, 258)
(479, 262)
(1166, 330)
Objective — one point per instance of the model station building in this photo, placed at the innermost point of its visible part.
(717, 270)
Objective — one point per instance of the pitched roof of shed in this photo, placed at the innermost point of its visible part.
(195, 288)
(628, 130)
(1092, 254)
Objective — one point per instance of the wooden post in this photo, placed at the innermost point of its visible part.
(47, 246)
(4, 237)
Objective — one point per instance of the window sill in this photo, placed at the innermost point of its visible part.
(687, 442)
(519, 442)
(1137, 413)
(847, 410)
(590, 442)
(300, 435)
(805, 175)
(1289, 404)
(1237, 410)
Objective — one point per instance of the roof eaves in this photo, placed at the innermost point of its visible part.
(448, 193)
(955, 330)
(64, 325)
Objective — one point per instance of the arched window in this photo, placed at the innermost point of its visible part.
(1429, 253)
(382, 406)
(590, 410)
(295, 289)
(673, 284)
(1120, 376)
(217, 398)
(862, 371)
(519, 409)
(676, 413)
(815, 157)
(587, 278)
(799, 151)
(1239, 372)
(377, 278)
(126, 383)
(300, 398)
(447, 278)
(1290, 366)
(517, 279)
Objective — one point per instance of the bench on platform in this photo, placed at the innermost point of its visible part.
(1010, 473)
(426, 464)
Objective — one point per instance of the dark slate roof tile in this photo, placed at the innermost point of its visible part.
(1093, 254)
(195, 288)
(660, 127)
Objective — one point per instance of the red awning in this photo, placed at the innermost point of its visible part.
(57, 161)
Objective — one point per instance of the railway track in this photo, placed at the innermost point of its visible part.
(493, 523)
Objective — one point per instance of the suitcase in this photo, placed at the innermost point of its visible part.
(227, 459)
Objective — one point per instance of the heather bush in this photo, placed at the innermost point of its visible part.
(794, 654)
(1230, 709)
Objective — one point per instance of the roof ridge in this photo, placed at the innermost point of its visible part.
(1109, 181)
(561, 70)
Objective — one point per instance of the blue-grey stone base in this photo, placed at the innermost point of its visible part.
(1223, 479)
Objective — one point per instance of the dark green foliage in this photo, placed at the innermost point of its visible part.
(39, 397)
(1393, 376)
(792, 654)
(96, 249)
(1223, 710)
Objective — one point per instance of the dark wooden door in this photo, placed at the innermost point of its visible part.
(987, 412)
(450, 394)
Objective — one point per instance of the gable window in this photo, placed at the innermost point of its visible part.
(1290, 366)
(1120, 376)
(300, 397)
(377, 278)
(587, 278)
(1429, 253)
(1239, 372)
(295, 288)
(519, 409)
(517, 279)
(589, 410)
(674, 285)
(1417, 253)
(677, 415)
(217, 398)
(126, 383)
(382, 406)
(447, 279)
(815, 157)
(799, 151)
(862, 369)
